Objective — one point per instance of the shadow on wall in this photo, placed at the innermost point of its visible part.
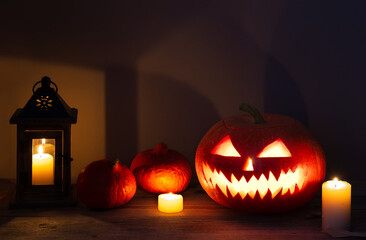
(281, 93)
(324, 47)
(121, 113)
(174, 113)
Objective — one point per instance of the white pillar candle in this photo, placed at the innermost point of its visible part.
(336, 204)
(42, 168)
(170, 203)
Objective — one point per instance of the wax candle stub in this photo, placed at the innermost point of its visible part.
(42, 168)
(336, 204)
(170, 203)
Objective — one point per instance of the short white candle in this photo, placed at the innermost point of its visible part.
(170, 203)
(336, 204)
(42, 168)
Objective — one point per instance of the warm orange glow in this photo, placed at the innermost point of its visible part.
(164, 180)
(275, 149)
(225, 148)
(286, 182)
(170, 203)
(42, 168)
(248, 166)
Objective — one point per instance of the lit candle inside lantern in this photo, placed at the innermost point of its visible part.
(48, 146)
(42, 168)
(170, 203)
(336, 204)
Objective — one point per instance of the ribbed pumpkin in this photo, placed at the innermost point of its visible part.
(105, 184)
(161, 170)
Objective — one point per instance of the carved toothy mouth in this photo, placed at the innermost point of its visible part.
(287, 182)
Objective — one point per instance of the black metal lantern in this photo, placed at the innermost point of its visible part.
(43, 149)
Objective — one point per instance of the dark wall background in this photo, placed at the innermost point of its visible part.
(174, 68)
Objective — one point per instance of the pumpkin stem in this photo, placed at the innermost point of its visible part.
(115, 162)
(161, 148)
(258, 118)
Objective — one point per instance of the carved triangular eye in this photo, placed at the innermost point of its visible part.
(225, 148)
(275, 149)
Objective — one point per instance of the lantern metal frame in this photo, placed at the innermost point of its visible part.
(46, 115)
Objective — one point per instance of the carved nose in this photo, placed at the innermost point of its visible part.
(248, 165)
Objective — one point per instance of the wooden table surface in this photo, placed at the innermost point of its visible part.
(201, 218)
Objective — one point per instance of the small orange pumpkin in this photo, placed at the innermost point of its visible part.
(103, 184)
(161, 170)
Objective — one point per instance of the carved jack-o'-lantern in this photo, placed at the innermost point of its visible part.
(273, 164)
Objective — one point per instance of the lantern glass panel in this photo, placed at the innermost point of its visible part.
(43, 161)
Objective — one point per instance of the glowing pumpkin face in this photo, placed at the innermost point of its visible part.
(266, 167)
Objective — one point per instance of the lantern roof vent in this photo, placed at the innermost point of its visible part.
(46, 105)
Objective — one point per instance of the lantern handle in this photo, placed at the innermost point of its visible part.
(258, 118)
(45, 83)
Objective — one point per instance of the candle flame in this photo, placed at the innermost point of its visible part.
(43, 140)
(336, 183)
(40, 150)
